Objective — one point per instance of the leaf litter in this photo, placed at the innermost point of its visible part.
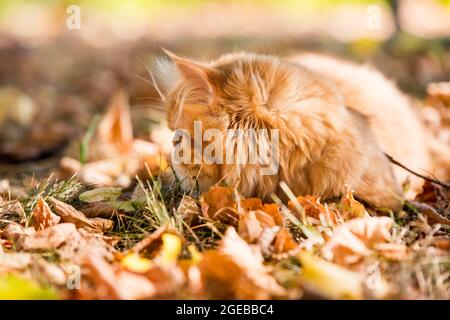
(115, 214)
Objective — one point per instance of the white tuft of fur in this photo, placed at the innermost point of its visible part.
(166, 73)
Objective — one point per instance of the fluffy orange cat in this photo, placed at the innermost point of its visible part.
(336, 121)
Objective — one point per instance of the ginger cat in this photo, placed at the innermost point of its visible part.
(335, 121)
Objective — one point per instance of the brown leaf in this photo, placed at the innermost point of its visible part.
(98, 209)
(43, 216)
(249, 227)
(252, 223)
(251, 204)
(356, 239)
(442, 243)
(115, 128)
(188, 209)
(167, 279)
(433, 202)
(313, 208)
(148, 153)
(102, 224)
(431, 213)
(432, 193)
(50, 238)
(14, 232)
(351, 208)
(71, 215)
(219, 203)
(111, 283)
(52, 272)
(14, 261)
(273, 210)
(284, 242)
(150, 242)
(439, 94)
(67, 242)
(236, 270)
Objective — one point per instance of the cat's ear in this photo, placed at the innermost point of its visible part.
(198, 75)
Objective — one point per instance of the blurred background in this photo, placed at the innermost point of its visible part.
(60, 61)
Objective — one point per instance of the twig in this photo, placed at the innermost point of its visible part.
(443, 184)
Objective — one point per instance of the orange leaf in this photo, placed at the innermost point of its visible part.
(284, 242)
(219, 203)
(115, 128)
(251, 204)
(313, 208)
(350, 207)
(43, 217)
(273, 210)
(236, 270)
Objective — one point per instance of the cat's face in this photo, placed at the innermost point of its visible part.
(229, 93)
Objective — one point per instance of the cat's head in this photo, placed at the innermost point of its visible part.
(236, 91)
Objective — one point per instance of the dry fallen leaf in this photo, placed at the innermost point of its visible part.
(335, 282)
(356, 239)
(433, 202)
(43, 216)
(236, 270)
(99, 173)
(112, 283)
(100, 194)
(101, 224)
(284, 242)
(188, 209)
(273, 210)
(50, 238)
(351, 208)
(170, 249)
(14, 232)
(52, 272)
(71, 215)
(115, 157)
(66, 241)
(150, 242)
(133, 262)
(98, 210)
(251, 204)
(439, 94)
(168, 280)
(252, 223)
(313, 208)
(115, 130)
(220, 203)
(249, 228)
(14, 261)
